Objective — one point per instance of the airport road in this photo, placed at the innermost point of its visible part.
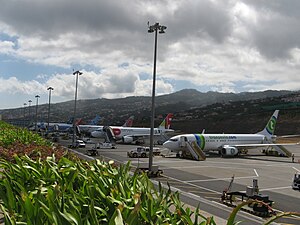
(202, 182)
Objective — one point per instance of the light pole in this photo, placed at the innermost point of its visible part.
(153, 28)
(24, 110)
(36, 110)
(76, 73)
(24, 123)
(29, 111)
(49, 89)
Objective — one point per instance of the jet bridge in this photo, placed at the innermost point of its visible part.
(191, 150)
(109, 135)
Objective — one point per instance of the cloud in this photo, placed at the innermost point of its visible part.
(120, 83)
(227, 46)
(13, 86)
(275, 32)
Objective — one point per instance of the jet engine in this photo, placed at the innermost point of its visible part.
(229, 151)
(127, 139)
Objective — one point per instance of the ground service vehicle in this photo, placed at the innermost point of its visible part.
(155, 172)
(142, 152)
(107, 145)
(296, 181)
(80, 144)
(261, 205)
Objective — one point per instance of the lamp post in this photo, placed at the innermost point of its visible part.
(49, 89)
(24, 123)
(153, 28)
(36, 110)
(29, 111)
(76, 73)
(24, 109)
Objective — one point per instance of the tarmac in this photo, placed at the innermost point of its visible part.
(202, 182)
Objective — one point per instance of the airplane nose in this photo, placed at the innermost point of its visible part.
(167, 144)
(95, 134)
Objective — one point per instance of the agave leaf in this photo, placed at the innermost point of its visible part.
(10, 195)
(116, 219)
(280, 215)
(232, 215)
(29, 209)
(70, 218)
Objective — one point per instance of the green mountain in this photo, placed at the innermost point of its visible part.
(193, 110)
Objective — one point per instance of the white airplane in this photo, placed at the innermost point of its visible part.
(61, 127)
(88, 129)
(228, 144)
(132, 134)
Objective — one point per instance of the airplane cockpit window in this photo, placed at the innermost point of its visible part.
(173, 139)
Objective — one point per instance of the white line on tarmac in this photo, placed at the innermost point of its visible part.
(216, 179)
(195, 167)
(276, 188)
(296, 169)
(236, 163)
(279, 165)
(83, 155)
(256, 172)
(185, 182)
(213, 203)
(275, 164)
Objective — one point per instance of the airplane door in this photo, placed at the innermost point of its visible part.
(183, 141)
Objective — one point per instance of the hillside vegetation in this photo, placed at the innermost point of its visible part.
(116, 111)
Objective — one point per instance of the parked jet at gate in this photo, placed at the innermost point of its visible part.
(132, 134)
(60, 127)
(88, 129)
(229, 144)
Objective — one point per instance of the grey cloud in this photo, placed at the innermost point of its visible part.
(277, 31)
(116, 24)
(201, 17)
(276, 38)
(122, 84)
(121, 25)
(50, 18)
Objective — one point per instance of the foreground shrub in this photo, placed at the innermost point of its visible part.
(67, 192)
(18, 141)
(9, 135)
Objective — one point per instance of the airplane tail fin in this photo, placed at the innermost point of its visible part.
(166, 123)
(128, 122)
(95, 120)
(70, 121)
(78, 121)
(269, 129)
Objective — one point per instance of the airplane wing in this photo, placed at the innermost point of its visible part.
(142, 135)
(289, 136)
(263, 145)
(231, 150)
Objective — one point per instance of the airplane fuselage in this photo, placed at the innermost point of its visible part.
(208, 142)
(131, 134)
(120, 132)
(89, 128)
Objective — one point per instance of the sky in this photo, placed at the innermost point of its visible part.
(209, 45)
